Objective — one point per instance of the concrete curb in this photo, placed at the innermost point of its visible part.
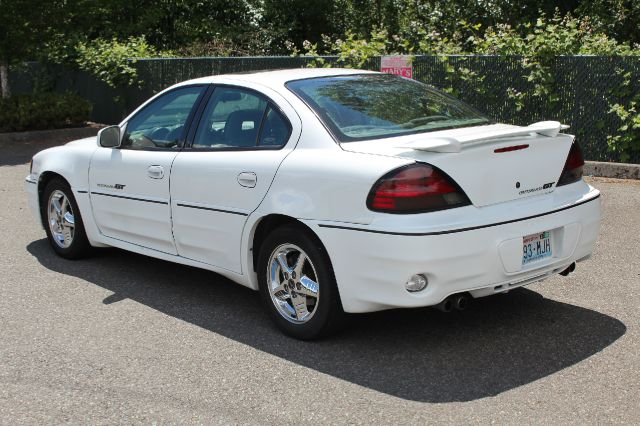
(612, 170)
(70, 133)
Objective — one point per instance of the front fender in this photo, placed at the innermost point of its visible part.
(71, 162)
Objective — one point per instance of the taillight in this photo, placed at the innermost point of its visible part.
(572, 171)
(417, 188)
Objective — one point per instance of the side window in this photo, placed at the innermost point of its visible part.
(238, 118)
(275, 129)
(160, 124)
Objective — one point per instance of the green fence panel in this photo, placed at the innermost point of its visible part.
(584, 87)
(33, 77)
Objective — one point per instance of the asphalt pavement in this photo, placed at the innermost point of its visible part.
(123, 338)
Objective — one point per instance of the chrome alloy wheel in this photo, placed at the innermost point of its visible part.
(60, 218)
(293, 283)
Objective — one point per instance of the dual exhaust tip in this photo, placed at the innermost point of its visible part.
(569, 269)
(459, 302)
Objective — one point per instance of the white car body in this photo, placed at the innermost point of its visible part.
(322, 184)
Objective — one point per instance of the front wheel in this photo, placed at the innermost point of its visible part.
(297, 284)
(62, 220)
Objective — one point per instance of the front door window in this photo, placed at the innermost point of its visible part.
(161, 123)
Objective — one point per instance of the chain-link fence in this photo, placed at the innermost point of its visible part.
(580, 93)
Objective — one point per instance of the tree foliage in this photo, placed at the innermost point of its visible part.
(113, 61)
(26, 25)
(30, 29)
(23, 26)
(103, 37)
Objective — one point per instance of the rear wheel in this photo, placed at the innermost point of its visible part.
(62, 220)
(297, 284)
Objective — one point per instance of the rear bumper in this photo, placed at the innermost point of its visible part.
(373, 265)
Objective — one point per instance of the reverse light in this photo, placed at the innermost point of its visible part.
(572, 171)
(417, 188)
(416, 283)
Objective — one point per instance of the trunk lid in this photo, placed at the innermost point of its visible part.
(469, 156)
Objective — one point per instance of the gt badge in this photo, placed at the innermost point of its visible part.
(114, 186)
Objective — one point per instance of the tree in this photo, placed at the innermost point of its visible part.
(300, 20)
(23, 28)
(51, 30)
(169, 24)
(617, 18)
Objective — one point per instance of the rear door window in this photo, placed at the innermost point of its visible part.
(237, 118)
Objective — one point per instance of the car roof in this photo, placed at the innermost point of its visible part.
(277, 78)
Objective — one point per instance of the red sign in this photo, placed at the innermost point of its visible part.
(398, 65)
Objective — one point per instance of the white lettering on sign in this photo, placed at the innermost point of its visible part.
(397, 65)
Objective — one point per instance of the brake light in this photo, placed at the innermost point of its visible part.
(511, 148)
(572, 171)
(417, 188)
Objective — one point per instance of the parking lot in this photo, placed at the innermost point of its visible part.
(122, 338)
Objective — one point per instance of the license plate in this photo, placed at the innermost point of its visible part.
(536, 247)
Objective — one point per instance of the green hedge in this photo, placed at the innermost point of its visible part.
(43, 111)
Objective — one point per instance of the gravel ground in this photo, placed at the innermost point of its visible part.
(122, 338)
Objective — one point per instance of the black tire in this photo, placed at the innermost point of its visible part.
(79, 247)
(328, 316)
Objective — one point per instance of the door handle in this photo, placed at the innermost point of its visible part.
(247, 179)
(155, 172)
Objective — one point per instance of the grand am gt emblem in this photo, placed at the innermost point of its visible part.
(530, 190)
(114, 186)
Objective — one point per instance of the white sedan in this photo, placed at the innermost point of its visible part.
(328, 190)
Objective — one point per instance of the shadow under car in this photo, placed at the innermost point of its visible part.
(498, 344)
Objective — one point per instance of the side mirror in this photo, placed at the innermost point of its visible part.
(109, 137)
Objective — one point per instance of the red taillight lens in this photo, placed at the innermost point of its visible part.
(572, 171)
(417, 188)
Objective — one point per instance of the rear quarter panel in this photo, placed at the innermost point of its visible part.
(318, 185)
(329, 185)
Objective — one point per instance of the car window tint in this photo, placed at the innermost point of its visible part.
(160, 124)
(373, 106)
(231, 119)
(275, 129)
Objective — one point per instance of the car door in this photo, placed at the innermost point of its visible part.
(129, 185)
(226, 170)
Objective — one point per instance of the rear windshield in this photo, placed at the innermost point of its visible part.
(371, 106)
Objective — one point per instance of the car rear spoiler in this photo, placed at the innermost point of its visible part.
(455, 144)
